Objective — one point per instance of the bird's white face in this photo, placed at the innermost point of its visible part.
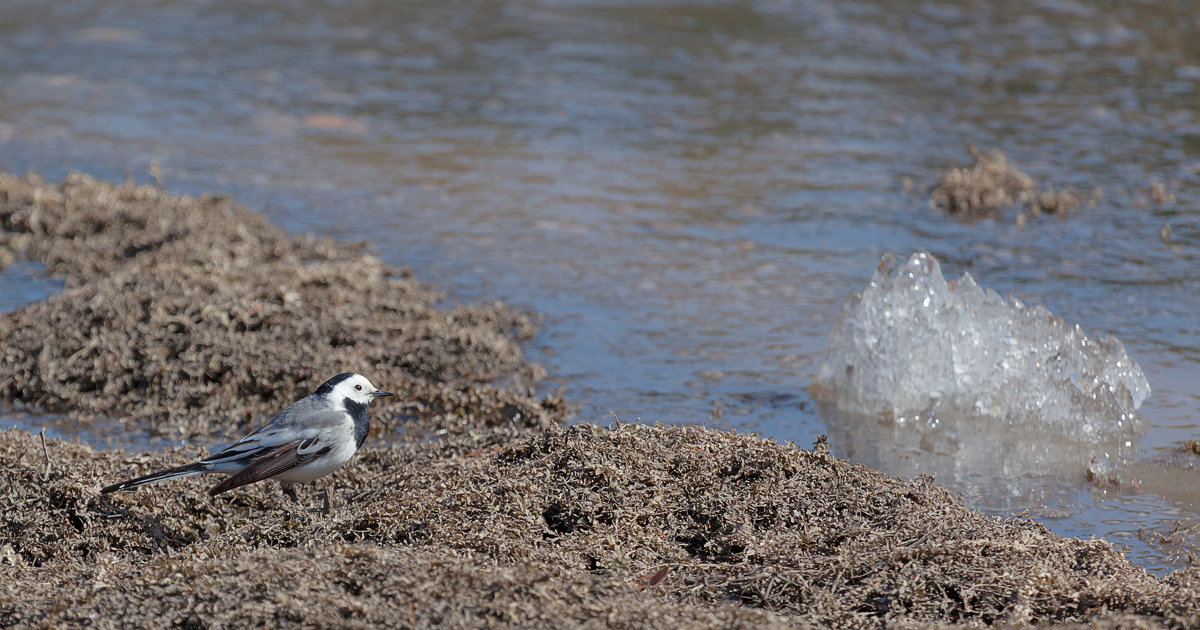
(357, 388)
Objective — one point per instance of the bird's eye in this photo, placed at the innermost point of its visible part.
(358, 387)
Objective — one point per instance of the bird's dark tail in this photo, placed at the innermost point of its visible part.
(162, 475)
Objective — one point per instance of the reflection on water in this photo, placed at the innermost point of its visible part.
(998, 470)
(687, 190)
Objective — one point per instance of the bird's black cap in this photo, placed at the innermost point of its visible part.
(328, 386)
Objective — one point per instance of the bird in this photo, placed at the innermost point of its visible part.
(311, 438)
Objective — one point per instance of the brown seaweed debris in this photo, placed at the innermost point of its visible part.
(986, 187)
(551, 528)
(992, 185)
(191, 315)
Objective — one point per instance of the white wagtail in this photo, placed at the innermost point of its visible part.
(313, 437)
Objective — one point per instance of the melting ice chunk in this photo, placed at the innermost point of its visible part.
(915, 346)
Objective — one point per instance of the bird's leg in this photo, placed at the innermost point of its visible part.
(289, 491)
(325, 492)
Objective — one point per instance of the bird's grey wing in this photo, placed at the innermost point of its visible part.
(292, 424)
(273, 461)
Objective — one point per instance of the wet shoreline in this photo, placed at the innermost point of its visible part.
(686, 192)
(507, 518)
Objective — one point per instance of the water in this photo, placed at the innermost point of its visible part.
(25, 282)
(688, 191)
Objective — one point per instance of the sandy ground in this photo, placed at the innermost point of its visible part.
(194, 317)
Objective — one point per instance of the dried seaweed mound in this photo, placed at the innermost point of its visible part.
(982, 189)
(559, 527)
(992, 184)
(346, 585)
(194, 316)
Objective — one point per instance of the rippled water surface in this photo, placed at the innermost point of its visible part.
(687, 191)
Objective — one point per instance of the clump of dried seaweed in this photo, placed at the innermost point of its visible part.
(191, 315)
(559, 526)
(992, 185)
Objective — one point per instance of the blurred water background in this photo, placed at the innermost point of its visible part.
(688, 191)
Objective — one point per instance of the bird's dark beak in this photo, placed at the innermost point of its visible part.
(379, 393)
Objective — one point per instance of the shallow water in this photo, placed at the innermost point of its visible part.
(25, 282)
(687, 191)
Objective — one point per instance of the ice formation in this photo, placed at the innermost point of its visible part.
(916, 347)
